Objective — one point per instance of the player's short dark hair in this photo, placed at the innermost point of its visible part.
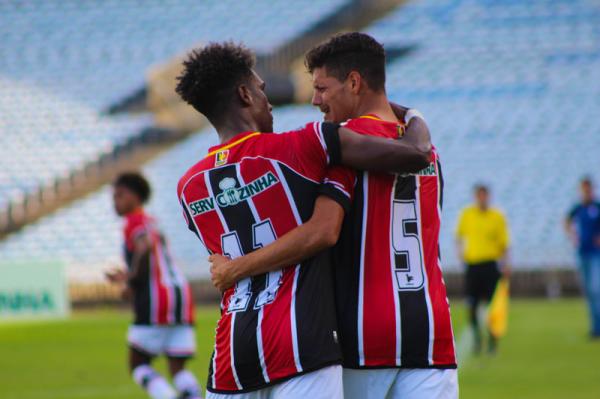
(479, 187)
(135, 182)
(211, 75)
(349, 52)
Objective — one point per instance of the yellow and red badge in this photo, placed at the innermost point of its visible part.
(221, 157)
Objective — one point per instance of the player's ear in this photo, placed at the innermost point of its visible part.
(354, 81)
(244, 94)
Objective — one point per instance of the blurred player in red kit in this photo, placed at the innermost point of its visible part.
(162, 300)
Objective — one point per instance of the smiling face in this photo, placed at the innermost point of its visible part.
(336, 100)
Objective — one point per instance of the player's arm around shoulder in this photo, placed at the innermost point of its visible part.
(504, 242)
(409, 154)
(321, 231)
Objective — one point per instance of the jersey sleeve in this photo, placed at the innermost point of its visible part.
(134, 228)
(315, 146)
(188, 218)
(504, 235)
(459, 232)
(339, 185)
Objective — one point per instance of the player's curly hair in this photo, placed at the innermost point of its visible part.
(212, 74)
(135, 182)
(349, 52)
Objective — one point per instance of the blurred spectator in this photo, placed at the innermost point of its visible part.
(482, 240)
(583, 227)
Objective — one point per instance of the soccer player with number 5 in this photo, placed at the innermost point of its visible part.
(277, 336)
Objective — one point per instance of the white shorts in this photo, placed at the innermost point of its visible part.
(173, 341)
(401, 384)
(325, 383)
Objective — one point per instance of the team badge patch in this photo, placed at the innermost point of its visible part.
(401, 130)
(221, 157)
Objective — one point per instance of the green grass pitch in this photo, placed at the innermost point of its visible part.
(546, 354)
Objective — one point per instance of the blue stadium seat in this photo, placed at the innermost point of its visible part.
(505, 85)
(62, 63)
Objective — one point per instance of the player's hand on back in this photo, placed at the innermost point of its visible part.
(221, 273)
(399, 111)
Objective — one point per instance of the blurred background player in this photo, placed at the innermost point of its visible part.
(583, 227)
(482, 243)
(162, 301)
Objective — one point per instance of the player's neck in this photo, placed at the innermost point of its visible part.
(136, 210)
(231, 127)
(376, 104)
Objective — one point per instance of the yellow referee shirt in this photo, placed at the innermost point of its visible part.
(484, 234)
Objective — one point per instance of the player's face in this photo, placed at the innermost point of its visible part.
(334, 98)
(124, 200)
(587, 193)
(483, 198)
(261, 107)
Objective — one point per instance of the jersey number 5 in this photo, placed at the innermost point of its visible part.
(408, 258)
(262, 234)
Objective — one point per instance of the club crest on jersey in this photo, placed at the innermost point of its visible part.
(221, 157)
(401, 130)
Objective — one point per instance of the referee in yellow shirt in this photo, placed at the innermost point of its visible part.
(482, 240)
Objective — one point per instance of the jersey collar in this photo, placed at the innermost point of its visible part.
(371, 116)
(235, 140)
(399, 125)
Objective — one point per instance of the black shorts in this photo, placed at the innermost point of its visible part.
(481, 280)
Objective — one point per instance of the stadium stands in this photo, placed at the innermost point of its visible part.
(99, 51)
(87, 234)
(44, 136)
(511, 91)
(62, 63)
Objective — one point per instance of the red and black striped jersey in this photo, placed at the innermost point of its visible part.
(162, 295)
(242, 196)
(391, 298)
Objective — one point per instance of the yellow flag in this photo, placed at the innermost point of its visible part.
(498, 310)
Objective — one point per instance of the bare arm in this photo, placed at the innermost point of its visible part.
(570, 230)
(505, 266)
(318, 233)
(409, 154)
(460, 249)
(140, 261)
